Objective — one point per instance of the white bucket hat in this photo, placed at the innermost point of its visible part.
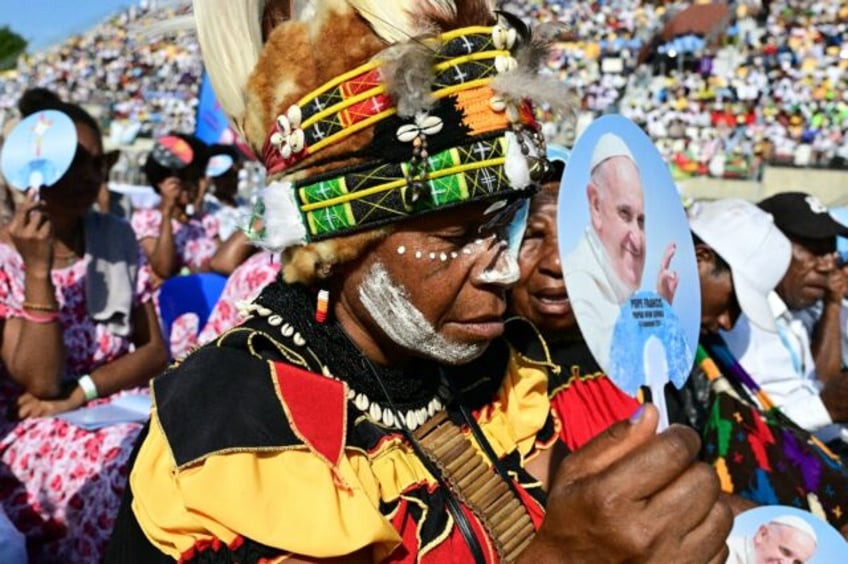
(756, 251)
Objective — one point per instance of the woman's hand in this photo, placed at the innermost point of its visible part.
(632, 495)
(170, 190)
(32, 234)
(31, 406)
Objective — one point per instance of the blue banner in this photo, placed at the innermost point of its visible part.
(211, 122)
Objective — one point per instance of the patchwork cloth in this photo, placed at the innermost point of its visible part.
(762, 455)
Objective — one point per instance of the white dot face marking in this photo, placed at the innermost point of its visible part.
(401, 250)
(442, 256)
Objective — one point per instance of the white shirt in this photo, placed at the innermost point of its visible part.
(596, 293)
(782, 365)
(740, 550)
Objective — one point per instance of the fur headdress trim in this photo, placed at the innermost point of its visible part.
(415, 164)
(360, 98)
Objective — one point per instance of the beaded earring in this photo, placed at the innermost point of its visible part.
(322, 306)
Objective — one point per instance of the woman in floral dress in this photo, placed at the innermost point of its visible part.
(188, 241)
(243, 285)
(174, 168)
(62, 349)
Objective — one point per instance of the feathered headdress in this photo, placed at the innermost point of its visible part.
(370, 112)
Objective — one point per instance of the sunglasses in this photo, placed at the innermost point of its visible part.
(102, 162)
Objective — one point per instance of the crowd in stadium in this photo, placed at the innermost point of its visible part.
(134, 80)
(766, 89)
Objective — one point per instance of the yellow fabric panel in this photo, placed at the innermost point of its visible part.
(287, 500)
(394, 468)
(521, 408)
(157, 500)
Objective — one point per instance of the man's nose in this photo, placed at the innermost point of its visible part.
(725, 321)
(550, 263)
(636, 239)
(497, 266)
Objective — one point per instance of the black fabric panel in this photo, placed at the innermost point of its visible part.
(220, 398)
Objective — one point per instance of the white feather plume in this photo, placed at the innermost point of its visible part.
(230, 36)
(516, 168)
(395, 21)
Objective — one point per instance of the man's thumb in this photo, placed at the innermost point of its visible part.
(610, 446)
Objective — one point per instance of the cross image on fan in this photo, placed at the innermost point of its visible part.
(39, 150)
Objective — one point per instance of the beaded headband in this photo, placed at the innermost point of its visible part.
(471, 145)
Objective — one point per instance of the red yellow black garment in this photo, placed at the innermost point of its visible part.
(584, 401)
(255, 449)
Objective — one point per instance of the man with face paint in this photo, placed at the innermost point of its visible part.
(606, 266)
(368, 409)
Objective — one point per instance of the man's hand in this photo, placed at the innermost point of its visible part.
(634, 495)
(836, 284)
(835, 397)
(668, 279)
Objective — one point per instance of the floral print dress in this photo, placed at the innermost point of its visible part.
(244, 284)
(61, 485)
(196, 243)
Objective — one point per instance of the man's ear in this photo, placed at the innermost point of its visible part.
(594, 199)
(761, 534)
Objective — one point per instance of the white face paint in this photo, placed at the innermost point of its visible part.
(389, 306)
(505, 270)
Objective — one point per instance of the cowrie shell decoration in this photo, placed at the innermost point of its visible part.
(289, 138)
(504, 38)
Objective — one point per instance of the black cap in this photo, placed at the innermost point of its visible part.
(801, 215)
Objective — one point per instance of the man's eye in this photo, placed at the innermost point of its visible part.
(454, 238)
(533, 234)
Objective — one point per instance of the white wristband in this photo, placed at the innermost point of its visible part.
(89, 389)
